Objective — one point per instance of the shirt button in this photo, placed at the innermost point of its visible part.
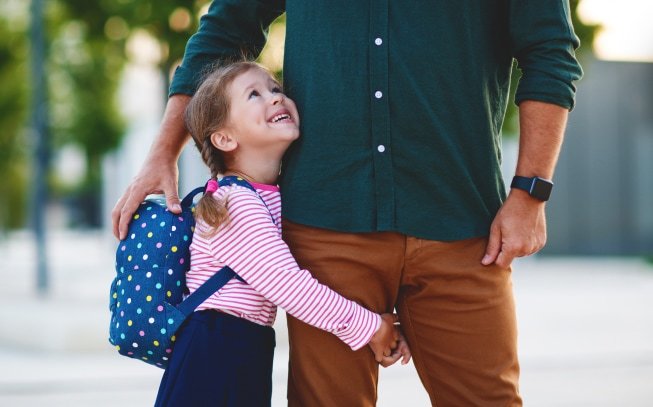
(378, 41)
(381, 148)
(378, 94)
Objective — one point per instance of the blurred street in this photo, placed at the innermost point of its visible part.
(586, 332)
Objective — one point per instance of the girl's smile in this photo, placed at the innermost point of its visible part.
(282, 116)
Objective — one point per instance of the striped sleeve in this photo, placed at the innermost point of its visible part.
(251, 244)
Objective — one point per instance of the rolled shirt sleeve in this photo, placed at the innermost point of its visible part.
(231, 29)
(543, 43)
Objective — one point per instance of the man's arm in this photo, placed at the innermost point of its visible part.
(159, 173)
(543, 43)
(230, 29)
(519, 229)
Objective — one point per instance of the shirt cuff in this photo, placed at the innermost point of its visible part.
(359, 330)
(548, 90)
(184, 82)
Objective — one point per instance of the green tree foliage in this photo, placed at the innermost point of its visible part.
(86, 55)
(171, 22)
(13, 102)
(89, 51)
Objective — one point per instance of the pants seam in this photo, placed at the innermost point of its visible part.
(417, 351)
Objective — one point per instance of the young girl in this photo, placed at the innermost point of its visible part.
(242, 124)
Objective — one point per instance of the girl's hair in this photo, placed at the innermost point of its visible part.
(208, 112)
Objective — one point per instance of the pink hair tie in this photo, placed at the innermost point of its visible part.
(211, 186)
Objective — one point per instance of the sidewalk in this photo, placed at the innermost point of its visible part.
(586, 333)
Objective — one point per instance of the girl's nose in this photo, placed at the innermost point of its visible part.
(277, 98)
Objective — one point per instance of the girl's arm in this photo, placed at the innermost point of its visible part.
(251, 244)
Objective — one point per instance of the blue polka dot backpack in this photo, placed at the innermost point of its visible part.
(147, 295)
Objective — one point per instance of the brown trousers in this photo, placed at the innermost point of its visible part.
(457, 315)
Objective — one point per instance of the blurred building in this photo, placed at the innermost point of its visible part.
(602, 202)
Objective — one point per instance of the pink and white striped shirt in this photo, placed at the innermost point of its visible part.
(251, 244)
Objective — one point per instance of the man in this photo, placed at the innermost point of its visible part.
(393, 195)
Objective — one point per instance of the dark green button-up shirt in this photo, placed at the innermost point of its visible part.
(401, 102)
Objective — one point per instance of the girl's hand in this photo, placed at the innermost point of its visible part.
(402, 351)
(385, 339)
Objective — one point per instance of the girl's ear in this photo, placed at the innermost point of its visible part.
(223, 141)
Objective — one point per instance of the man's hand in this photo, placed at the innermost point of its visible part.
(402, 351)
(518, 230)
(157, 176)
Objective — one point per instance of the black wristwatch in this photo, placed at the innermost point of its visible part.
(538, 188)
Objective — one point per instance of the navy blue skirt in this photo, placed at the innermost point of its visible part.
(219, 360)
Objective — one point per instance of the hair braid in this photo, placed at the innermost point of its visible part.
(212, 157)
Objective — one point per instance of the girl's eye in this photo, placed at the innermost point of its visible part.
(254, 93)
(277, 89)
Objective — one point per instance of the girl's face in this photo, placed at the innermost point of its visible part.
(260, 115)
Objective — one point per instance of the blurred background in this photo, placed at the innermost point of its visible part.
(82, 90)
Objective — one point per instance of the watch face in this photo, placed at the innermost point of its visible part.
(541, 189)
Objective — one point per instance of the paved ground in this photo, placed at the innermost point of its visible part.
(586, 333)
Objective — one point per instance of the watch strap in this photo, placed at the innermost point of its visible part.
(538, 188)
(524, 183)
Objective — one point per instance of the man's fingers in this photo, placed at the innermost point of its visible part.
(390, 360)
(493, 247)
(509, 251)
(172, 200)
(504, 260)
(406, 357)
(126, 212)
(115, 215)
(133, 196)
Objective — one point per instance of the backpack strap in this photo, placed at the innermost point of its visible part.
(232, 179)
(210, 286)
(188, 199)
(222, 276)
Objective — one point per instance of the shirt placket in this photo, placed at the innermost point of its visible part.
(380, 115)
